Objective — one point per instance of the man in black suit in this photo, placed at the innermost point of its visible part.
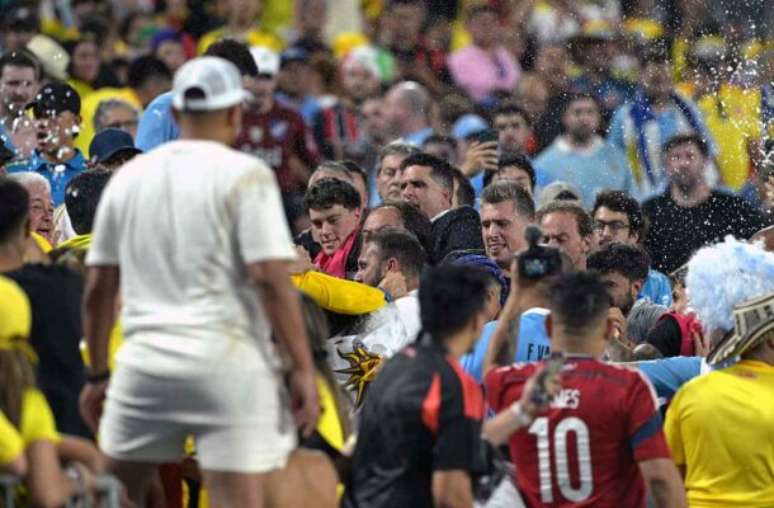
(428, 182)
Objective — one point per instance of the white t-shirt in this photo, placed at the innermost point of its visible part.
(408, 307)
(182, 222)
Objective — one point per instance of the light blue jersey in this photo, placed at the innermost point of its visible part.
(533, 343)
(157, 125)
(591, 171)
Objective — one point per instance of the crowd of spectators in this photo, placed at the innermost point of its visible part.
(412, 145)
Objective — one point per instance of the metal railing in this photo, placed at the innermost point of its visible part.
(107, 493)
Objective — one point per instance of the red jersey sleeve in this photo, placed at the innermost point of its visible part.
(504, 385)
(644, 425)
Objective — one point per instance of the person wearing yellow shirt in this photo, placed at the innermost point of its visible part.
(731, 112)
(148, 78)
(242, 26)
(12, 458)
(732, 116)
(720, 427)
(84, 65)
(27, 424)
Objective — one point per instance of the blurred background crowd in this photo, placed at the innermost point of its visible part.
(634, 132)
(710, 63)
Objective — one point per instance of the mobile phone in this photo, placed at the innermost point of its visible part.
(552, 367)
(485, 136)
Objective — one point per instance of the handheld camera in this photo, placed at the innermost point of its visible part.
(538, 261)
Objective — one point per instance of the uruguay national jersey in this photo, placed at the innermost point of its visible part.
(584, 450)
(533, 343)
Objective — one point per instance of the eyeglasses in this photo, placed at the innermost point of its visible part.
(127, 125)
(614, 226)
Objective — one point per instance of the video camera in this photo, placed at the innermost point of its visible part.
(538, 261)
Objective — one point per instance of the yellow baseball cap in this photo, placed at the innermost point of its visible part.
(15, 318)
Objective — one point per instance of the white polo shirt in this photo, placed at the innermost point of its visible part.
(182, 222)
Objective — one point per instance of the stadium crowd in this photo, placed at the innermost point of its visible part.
(387, 253)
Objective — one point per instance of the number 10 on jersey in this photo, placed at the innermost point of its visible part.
(541, 429)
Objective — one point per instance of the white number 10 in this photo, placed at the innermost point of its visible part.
(570, 424)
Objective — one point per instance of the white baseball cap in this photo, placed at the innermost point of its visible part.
(52, 57)
(267, 61)
(207, 83)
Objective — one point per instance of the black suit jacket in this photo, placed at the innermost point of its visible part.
(458, 229)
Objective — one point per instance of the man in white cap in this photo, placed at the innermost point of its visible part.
(198, 305)
(157, 124)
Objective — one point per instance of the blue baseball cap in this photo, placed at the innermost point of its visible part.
(293, 54)
(109, 142)
(467, 125)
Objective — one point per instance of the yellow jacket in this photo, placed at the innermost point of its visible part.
(339, 295)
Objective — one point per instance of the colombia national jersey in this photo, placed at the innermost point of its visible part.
(584, 450)
(281, 139)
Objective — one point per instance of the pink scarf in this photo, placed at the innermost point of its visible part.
(336, 264)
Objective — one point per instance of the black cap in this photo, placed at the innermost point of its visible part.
(110, 142)
(54, 98)
(293, 54)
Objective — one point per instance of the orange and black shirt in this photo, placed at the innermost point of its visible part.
(421, 414)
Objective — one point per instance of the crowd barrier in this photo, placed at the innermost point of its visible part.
(107, 493)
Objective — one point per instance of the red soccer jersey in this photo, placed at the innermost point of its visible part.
(281, 139)
(584, 450)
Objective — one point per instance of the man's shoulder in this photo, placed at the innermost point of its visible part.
(696, 389)
(162, 102)
(284, 112)
(609, 150)
(548, 154)
(513, 374)
(460, 214)
(727, 200)
(212, 152)
(32, 277)
(655, 203)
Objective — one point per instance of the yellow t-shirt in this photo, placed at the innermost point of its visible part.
(89, 107)
(733, 119)
(84, 89)
(11, 443)
(329, 423)
(37, 420)
(255, 37)
(721, 427)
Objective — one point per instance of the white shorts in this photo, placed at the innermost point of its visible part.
(240, 421)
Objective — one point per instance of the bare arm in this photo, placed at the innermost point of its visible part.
(48, 485)
(452, 489)
(499, 350)
(17, 466)
(282, 305)
(498, 430)
(283, 308)
(99, 303)
(664, 482)
(503, 344)
(77, 449)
